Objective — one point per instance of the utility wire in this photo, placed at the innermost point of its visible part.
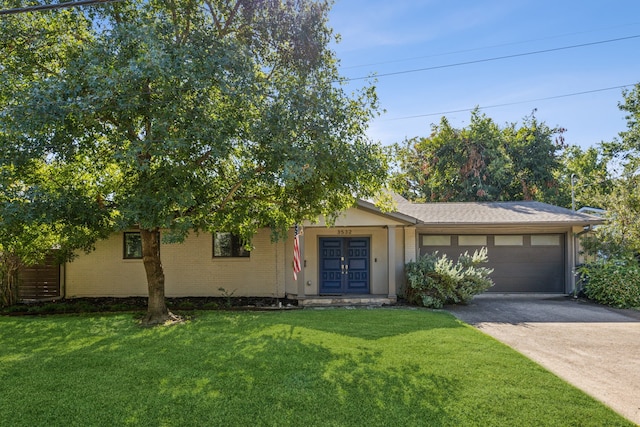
(557, 36)
(497, 58)
(464, 110)
(53, 6)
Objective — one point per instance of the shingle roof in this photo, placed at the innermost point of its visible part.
(493, 213)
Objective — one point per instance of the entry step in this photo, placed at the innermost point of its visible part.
(340, 301)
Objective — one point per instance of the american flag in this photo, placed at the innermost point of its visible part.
(296, 253)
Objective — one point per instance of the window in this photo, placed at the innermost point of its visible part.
(472, 240)
(545, 240)
(228, 245)
(436, 240)
(133, 245)
(515, 240)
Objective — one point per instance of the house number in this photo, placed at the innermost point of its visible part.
(344, 232)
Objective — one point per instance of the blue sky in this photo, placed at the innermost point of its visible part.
(379, 37)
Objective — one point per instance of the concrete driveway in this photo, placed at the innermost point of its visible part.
(595, 348)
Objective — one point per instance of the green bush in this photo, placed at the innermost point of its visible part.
(433, 281)
(612, 282)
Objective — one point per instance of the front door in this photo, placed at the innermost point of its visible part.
(344, 265)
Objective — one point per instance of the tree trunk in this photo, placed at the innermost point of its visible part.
(157, 312)
(526, 194)
(9, 266)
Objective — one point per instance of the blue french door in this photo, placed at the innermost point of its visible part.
(344, 265)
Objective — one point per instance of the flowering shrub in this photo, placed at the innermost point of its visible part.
(433, 280)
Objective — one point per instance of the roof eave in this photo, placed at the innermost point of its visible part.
(368, 206)
(515, 223)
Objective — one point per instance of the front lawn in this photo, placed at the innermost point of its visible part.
(335, 367)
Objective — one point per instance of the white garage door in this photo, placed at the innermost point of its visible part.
(521, 262)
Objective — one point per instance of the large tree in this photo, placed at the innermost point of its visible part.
(619, 238)
(201, 115)
(481, 162)
(627, 148)
(583, 177)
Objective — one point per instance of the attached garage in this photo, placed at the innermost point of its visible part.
(531, 245)
(521, 262)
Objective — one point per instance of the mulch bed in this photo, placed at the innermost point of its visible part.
(90, 305)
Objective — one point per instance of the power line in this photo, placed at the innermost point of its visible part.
(497, 58)
(53, 6)
(392, 61)
(464, 110)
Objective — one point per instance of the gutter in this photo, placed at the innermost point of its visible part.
(523, 224)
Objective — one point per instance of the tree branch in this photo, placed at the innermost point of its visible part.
(231, 193)
(214, 16)
(236, 187)
(223, 26)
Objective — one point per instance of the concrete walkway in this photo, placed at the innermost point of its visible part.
(595, 348)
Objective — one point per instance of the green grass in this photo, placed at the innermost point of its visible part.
(382, 367)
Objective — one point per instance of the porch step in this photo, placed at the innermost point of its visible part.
(340, 301)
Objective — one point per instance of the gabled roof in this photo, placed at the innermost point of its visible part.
(397, 214)
(493, 213)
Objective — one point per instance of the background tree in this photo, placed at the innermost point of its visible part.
(49, 209)
(627, 149)
(587, 173)
(614, 278)
(619, 238)
(202, 116)
(481, 162)
(532, 150)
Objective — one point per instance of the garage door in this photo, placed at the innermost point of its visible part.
(521, 263)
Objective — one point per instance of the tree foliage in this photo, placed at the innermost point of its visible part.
(42, 200)
(614, 279)
(619, 238)
(47, 209)
(196, 115)
(627, 149)
(583, 177)
(481, 162)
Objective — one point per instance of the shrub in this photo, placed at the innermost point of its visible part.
(612, 282)
(433, 280)
(186, 305)
(211, 305)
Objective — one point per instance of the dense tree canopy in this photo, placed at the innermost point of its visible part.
(628, 147)
(194, 115)
(43, 200)
(481, 162)
(620, 237)
(583, 177)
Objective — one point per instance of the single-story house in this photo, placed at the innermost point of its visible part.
(532, 247)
